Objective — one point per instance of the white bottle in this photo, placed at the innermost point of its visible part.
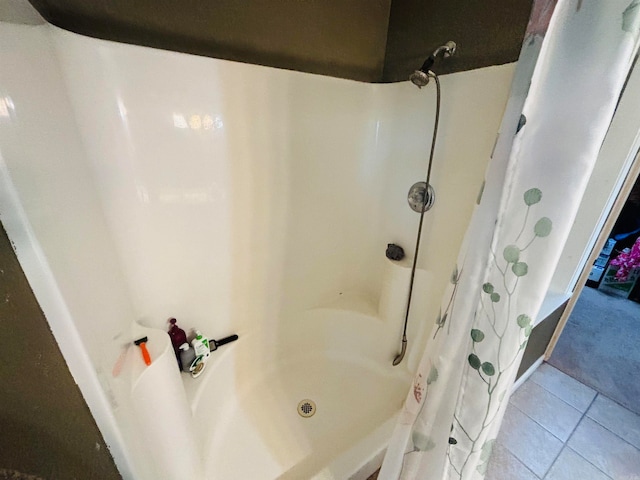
(202, 351)
(201, 345)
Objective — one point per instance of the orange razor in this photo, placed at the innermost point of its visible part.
(142, 343)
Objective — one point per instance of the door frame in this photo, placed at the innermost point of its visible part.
(631, 177)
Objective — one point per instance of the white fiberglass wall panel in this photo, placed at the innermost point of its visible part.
(53, 215)
(45, 160)
(228, 195)
(472, 105)
(239, 193)
(222, 182)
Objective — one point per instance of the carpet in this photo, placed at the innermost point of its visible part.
(600, 346)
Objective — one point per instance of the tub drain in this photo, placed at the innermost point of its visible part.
(306, 408)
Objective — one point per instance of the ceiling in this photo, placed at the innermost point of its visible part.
(364, 40)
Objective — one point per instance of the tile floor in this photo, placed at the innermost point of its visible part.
(556, 428)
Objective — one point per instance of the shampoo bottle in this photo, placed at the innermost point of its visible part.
(201, 345)
(178, 337)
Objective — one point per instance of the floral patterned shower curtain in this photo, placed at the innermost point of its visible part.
(565, 90)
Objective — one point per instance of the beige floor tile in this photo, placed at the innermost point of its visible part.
(528, 442)
(571, 466)
(545, 408)
(612, 455)
(505, 466)
(616, 418)
(563, 386)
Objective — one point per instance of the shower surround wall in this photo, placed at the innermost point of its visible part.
(231, 196)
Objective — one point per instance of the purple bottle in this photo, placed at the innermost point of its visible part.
(178, 337)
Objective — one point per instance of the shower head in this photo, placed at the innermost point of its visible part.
(420, 78)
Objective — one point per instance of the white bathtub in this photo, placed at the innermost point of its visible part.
(246, 410)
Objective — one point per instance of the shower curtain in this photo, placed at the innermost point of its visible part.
(570, 75)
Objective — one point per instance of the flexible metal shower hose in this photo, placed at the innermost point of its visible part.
(422, 212)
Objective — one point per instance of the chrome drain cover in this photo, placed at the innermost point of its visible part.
(306, 408)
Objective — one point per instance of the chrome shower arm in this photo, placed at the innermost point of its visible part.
(421, 77)
(447, 50)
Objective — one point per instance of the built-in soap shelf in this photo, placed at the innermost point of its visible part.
(353, 302)
(161, 407)
(158, 345)
(394, 291)
(193, 386)
(391, 304)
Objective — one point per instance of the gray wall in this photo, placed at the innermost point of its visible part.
(539, 339)
(365, 40)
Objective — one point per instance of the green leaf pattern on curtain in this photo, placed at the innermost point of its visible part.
(451, 417)
(489, 366)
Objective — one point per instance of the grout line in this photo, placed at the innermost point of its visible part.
(526, 466)
(611, 431)
(519, 461)
(589, 386)
(590, 463)
(564, 444)
(584, 415)
(562, 399)
(555, 460)
(582, 418)
(596, 392)
(619, 404)
(542, 426)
